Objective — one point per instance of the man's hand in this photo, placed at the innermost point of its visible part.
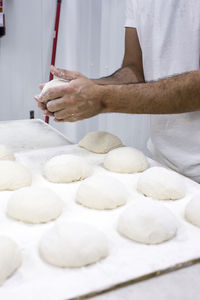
(78, 100)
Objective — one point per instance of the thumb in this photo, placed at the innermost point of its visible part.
(65, 74)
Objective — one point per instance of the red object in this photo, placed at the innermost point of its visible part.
(53, 58)
(2, 20)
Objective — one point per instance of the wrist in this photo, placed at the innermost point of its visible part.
(108, 94)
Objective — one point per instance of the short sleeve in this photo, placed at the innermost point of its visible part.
(130, 14)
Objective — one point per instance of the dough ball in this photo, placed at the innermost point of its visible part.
(101, 192)
(160, 183)
(6, 153)
(100, 142)
(13, 175)
(53, 83)
(73, 244)
(125, 160)
(192, 211)
(67, 168)
(148, 223)
(10, 258)
(34, 205)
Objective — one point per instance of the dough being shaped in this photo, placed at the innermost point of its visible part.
(101, 192)
(6, 153)
(100, 142)
(192, 210)
(147, 222)
(10, 258)
(34, 205)
(67, 168)
(160, 183)
(73, 244)
(13, 175)
(125, 160)
(53, 83)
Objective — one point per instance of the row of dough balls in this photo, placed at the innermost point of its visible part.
(68, 168)
(63, 244)
(67, 244)
(144, 221)
(76, 244)
(158, 183)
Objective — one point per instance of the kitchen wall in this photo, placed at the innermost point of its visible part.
(91, 40)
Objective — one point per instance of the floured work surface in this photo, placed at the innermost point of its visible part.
(23, 135)
(127, 260)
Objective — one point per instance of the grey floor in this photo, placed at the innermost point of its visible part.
(183, 284)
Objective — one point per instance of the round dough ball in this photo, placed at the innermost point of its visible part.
(13, 175)
(192, 210)
(6, 153)
(53, 83)
(101, 192)
(125, 160)
(100, 142)
(34, 205)
(10, 258)
(73, 244)
(148, 223)
(67, 168)
(160, 183)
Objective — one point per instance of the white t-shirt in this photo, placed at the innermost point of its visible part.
(169, 35)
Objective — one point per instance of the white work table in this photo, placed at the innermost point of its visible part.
(176, 285)
(129, 265)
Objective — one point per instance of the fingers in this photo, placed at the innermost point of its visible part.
(65, 74)
(53, 93)
(55, 105)
(48, 113)
(69, 119)
(39, 104)
(41, 86)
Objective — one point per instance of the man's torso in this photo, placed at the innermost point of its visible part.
(169, 35)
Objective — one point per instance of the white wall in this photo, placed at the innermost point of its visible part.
(91, 40)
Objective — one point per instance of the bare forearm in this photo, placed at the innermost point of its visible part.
(125, 75)
(177, 94)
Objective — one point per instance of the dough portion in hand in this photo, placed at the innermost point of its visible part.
(34, 205)
(53, 83)
(161, 183)
(125, 160)
(147, 222)
(73, 244)
(100, 142)
(6, 153)
(101, 192)
(67, 168)
(10, 258)
(13, 175)
(192, 210)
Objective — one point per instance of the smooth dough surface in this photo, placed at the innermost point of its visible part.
(147, 222)
(13, 175)
(10, 258)
(125, 160)
(161, 183)
(192, 210)
(53, 83)
(101, 192)
(6, 153)
(67, 168)
(100, 142)
(34, 205)
(73, 244)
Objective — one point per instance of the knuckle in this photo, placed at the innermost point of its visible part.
(50, 106)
